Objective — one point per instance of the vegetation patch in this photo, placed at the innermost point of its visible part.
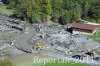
(96, 36)
(61, 11)
(6, 63)
(5, 10)
(67, 63)
(97, 50)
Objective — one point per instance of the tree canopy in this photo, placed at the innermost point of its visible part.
(67, 10)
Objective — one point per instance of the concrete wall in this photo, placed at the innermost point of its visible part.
(78, 32)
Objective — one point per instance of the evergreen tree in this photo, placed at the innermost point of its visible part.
(86, 7)
(77, 11)
(66, 17)
(67, 10)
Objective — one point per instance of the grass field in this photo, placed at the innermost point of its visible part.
(3, 9)
(65, 64)
(27, 60)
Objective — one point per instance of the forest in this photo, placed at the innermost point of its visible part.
(62, 11)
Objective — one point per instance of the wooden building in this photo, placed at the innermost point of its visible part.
(83, 28)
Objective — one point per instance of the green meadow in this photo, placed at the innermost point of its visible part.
(5, 10)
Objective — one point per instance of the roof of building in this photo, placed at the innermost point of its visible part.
(83, 26)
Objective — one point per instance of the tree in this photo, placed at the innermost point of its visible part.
(68, 4)
(36, 18)
(21, 9)
(6, 1)
(57, 7)
(46, 10)
(67, 10)
(95, 10)
(77, 11)
(86, 7)
(66, 18)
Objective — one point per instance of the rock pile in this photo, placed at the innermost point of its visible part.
(49, 29)
(57, 38)
(9, 24)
